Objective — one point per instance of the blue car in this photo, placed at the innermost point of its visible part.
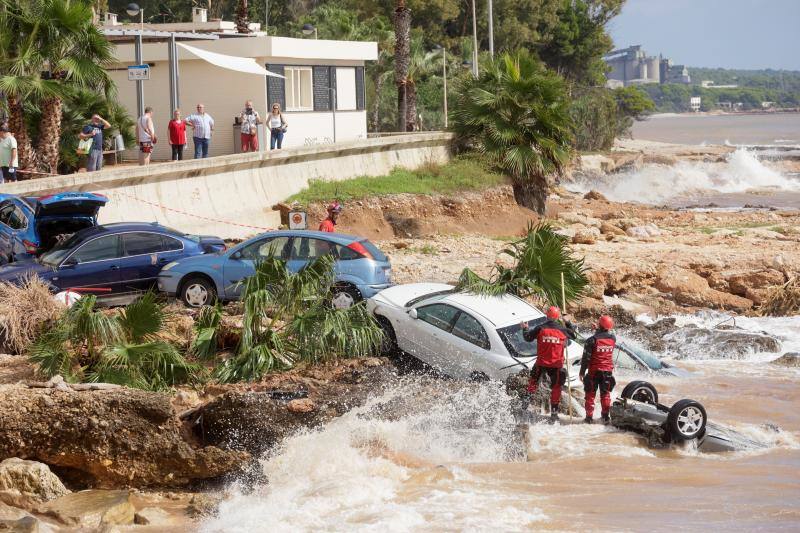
(30, 226)
(113, 261)
(361, 268)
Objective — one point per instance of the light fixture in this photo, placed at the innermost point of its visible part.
(308, 29)
(132, 10)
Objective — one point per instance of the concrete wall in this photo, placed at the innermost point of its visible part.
(232, 196)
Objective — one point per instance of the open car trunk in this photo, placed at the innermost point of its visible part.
(54, 230)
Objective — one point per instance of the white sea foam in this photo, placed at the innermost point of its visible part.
(655, 183)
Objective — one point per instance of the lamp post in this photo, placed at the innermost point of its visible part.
(444, 79)
(333, 107)
(132, 10)
(491, 31)
(474, 42)
(308, 29)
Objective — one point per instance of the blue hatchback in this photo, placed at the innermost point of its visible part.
(30, 226)
(113, 261)
(361, 268)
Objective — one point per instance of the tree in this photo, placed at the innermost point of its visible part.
(516, 114)
(242, 17)
(402, 59)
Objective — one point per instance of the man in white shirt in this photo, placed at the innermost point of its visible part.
(9, 161)
(202, 126)
(250, 119)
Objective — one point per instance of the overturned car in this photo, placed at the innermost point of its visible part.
(684, 423)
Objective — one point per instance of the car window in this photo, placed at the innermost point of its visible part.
(265, 248)
(305, 249)
(343, 253)
(439, 315)
(16, 218)
(468, 328)
(623, 360)
(376, 252)
(170, 244)
(98, 249)
(514, 341)
(142, 243)
(5, 213)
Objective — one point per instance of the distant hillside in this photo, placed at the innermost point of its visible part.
(781, 80)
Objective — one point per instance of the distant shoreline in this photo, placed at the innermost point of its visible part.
(782, 111)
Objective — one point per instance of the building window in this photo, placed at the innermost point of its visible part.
(345, 89)
(299, 89)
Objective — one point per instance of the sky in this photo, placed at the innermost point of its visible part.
(740, 34)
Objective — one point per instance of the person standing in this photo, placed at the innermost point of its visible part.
(94, 130)
(551, 342)
(250, 120)
(277, 127)
(145, 136)
(177, 135)
(202, 127)
(329, 224)
(598, 359)
(9, 161)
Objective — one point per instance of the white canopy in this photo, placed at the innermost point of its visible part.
(239, 64)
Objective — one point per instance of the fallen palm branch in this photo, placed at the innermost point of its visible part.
(783, 300)
(25, 310)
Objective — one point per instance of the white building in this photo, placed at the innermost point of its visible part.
(694, 103)
(316, 72)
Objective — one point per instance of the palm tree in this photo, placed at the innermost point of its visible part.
(242, 17)
(422, 65)
(402, 59)
(516, 114)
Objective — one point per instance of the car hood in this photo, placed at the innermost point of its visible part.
(400, 294)
(19, 269)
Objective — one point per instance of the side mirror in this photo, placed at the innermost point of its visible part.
(413, 313)
(236, 255)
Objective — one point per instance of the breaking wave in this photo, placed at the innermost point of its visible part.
(657, 184)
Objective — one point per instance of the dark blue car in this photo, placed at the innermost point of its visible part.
(30, 226)
(113, 261)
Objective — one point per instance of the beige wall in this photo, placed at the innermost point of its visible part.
(232, 196)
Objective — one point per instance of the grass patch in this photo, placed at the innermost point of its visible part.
(463, 173)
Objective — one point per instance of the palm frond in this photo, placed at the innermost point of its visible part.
(206, 329)
(154, 365)
(143, 318)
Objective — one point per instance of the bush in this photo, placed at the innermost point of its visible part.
(24, 312)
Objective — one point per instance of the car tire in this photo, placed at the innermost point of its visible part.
(641, 391)
(389, 342)
(197, 292)
(345, 296)
(686, 420)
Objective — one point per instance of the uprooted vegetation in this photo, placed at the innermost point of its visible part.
(25, 310)
(783, 300)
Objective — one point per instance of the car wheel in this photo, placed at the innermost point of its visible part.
(686, 420)
(389, 340)
(197, 292)
(345, 296)
(641, 391)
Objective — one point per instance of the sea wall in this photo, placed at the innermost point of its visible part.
(232, 196)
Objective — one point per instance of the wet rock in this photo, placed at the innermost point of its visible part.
(140, 442)
(26, 524)
(701, 343)
(28, 483)
(203, 505)
(586, 236)
(643, 232)
(92, 508)
(151, 516)
(789, 359)
(595, 195)
(689, 288)
(301, 405)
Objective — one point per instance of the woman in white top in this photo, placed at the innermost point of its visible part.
(277, 127)
(145, 135)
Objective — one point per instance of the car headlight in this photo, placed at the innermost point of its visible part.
(169, 265)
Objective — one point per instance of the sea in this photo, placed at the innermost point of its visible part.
(449, 457)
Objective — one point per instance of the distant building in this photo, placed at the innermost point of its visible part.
(632, 66)
(694, 103)
(708, 84)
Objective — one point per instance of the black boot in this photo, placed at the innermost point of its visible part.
(588, 420)
(606, 419)
(554, 414)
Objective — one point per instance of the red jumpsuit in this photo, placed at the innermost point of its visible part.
(327, 225)
(598, 357)
(551, 341)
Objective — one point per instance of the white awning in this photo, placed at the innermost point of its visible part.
(239, 64)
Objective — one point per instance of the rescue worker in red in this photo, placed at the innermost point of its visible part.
(329, 224)
(597, 365)
(551, 339)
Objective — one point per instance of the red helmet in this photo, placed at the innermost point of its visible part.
(606, 322)
(335, 207)
(553, 313)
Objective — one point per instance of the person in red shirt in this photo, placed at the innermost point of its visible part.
(329, 224)
(598, 359)
(177, 135)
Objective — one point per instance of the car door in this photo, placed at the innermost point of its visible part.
(429, 331)
(142, 260)
(467, 349)
(6, 232)
(242, 263)
(305, 250)
(93, 265)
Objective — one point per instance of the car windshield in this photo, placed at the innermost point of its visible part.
(60, 251)
(514, 341)
(646, 357)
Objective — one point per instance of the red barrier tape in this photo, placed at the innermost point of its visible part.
(196, 216)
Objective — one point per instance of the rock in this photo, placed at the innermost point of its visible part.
(142, 443)
(92, 508)
(790, 359)
(701, 343)
(152, 516)
(607, 228)
(400, 245)
(762, 233)
(301, 405)
(740, 283)
(643, 232)
(203, 505)
(778, 262)
(28, 483)
(585, 237)
(26, 524)
(577, 218)
(594, 195)
(689, 288)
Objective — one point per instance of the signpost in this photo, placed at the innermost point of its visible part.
(138, 72)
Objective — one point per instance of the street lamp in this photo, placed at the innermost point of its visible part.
(444, 78)
(132, 10)
(474, 42)
(308, 29)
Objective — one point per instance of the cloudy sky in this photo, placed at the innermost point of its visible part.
(746, 34)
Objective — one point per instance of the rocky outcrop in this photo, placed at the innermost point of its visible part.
(689, 288)
(26, 484)
(586, 236)
(92, 508)
(643, 232)
(106, 439)
(789, 359)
